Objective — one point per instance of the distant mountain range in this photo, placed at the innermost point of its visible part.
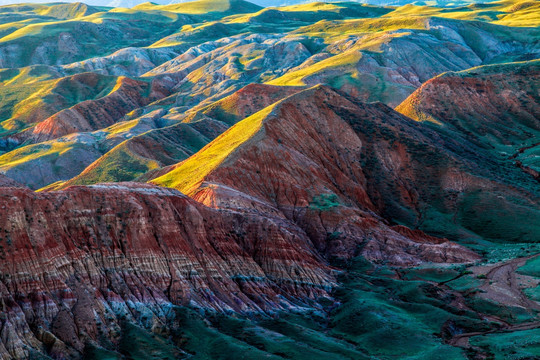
(264, 3)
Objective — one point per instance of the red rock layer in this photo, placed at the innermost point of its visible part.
(496, 104)
(306, 165)
(245, 102)
(74, 263)
(90, 115)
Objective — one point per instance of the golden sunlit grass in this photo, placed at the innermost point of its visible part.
(33, 152)
(67, 11)
(19, 100)
(121, 127)
(339, 29)
(38, 30)
(518, 13)
(52, 187)
(118, 164)
(296, 78)
(26, 75)
(191, 172)
(153, 15)
(23, 96)
(202, 7)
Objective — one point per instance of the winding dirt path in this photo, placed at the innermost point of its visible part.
(503, 285)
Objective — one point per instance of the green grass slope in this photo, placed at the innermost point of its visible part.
(30, 95)
(189, 174)
(204, 7)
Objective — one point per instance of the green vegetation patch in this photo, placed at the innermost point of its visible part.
(324, 202)
(119, 164)
(514, 345)
(531, 267)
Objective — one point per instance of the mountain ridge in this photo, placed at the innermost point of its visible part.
(218, 180)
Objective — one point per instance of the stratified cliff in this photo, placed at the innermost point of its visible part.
(75, 263)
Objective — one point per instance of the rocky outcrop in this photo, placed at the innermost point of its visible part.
(76, 263)
(215, 69)
(129, 61)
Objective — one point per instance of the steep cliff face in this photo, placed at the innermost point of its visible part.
(78, 262)
(280, 195)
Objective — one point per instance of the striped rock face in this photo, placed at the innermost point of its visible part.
(87, 258)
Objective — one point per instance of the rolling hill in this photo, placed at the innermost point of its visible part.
(216, 179)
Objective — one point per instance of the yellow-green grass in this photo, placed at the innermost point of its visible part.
(199, 33)
(30, 34)
(33, 152)
(192, 7)
(268, 20)
(20, 104)
(189, 174)
(123, 14)
(41, 30)
(373, 42)
(296, 78)
(507, 12)
(27, 75)
(52, 10)
(524, 13)
(414, 10)
(339, 29)
(226, 108)
(46, 28)
(24, 7)
(118, 164)
(67, 11)
(203, 7)
(316, 6)
(121, 127)
(52, 187)
(312, 12)
(9, 27)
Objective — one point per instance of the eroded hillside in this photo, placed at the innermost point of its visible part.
(220, 180)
